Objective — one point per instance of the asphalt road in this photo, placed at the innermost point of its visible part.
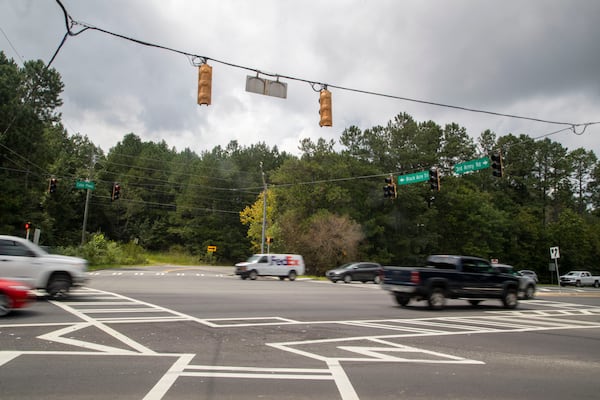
(202, 333)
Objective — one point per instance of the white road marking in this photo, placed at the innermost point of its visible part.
(331, 351)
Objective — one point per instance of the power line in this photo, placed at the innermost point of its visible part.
(70, 23)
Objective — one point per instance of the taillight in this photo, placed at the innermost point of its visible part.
(415, 277)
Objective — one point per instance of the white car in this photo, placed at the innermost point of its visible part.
(23, 261)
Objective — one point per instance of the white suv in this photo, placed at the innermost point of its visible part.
(23, 261)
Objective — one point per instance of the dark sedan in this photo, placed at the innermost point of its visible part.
(356, 271)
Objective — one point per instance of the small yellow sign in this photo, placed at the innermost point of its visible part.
(211, 249)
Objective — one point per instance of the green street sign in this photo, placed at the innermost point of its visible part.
(413, 178)
(85, 185)
(473, 165)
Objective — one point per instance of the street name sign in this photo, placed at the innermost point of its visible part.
(472, 165)
(85, 185)
(413, 178)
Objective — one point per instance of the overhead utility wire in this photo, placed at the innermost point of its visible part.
(85, 26)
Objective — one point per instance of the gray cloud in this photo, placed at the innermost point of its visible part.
(537, 58)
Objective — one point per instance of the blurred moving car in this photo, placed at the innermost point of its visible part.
(26, 262)
(527, 284)
(529, 273)
(356, 271)
(13, 295)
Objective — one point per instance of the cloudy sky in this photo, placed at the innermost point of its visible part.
(536, 58)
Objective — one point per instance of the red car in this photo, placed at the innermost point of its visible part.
(13, 295)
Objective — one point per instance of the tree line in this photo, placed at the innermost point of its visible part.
(326, 203)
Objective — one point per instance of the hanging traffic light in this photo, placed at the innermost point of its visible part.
(434, 179)
(52, 185)
(325, 108)
(116, 192)
(27, 226)
(204, 84)
(386, 188)
(389, 190)
(497, 166)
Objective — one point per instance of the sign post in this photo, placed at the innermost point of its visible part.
(555, 255)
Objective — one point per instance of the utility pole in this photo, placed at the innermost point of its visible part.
(264, 220)
(87, 201)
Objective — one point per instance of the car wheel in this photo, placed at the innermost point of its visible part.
(510, 299)
(58, 286)
(402, 299)
(529, 292)
(281, 278)
(5, 304)
(347, 278)
(292, 275)
(252, 275)
(377, 279)
(596, 284)
(437, 299)
(578, 283)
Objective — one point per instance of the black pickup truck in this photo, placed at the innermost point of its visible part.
(443, 277)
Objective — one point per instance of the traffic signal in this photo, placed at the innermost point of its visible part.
(325, 108)
(269, 240)
(116, 192)
(497, 166)
(27, 226)
(52, 185)
(389, 190)
(204, 84)
(434, 179)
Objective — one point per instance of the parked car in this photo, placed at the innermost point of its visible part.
(13, 295)
(527, 284)
(529, 273)
(25, 262)
(356, 271)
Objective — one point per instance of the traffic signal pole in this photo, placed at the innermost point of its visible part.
(87, 202)
(264, 217)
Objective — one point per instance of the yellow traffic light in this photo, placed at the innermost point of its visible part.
(204, 84)
(325, 108)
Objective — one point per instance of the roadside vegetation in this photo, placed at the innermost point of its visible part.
(326, 204)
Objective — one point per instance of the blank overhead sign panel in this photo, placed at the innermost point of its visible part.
(255, 84)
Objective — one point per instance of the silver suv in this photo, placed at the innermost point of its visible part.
(527, 285)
